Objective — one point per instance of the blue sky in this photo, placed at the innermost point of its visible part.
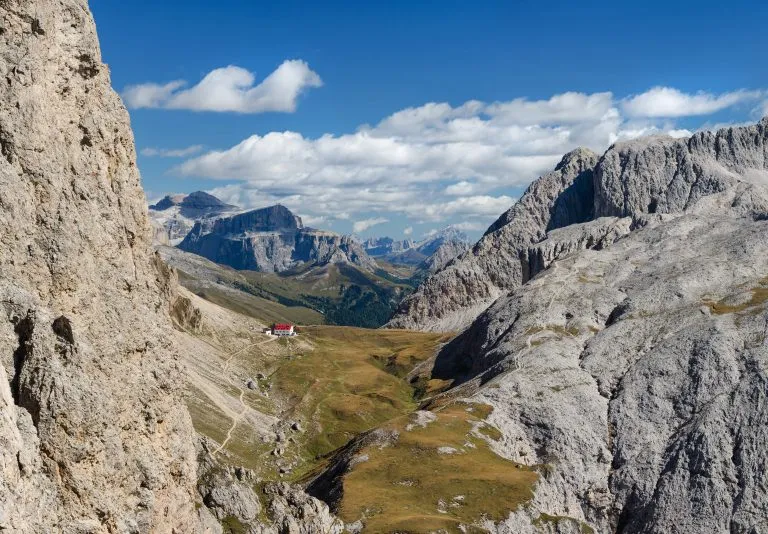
(401, 117)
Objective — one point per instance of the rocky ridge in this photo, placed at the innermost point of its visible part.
(632, 179)
(174, 215)
(429, 254)
(94, 437)
(631, 366)
(271, 240)
(451, 298)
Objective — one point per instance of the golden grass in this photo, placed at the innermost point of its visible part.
(400, 487)
(721, 307)
(351, 382)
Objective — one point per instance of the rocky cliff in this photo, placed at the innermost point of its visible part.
(632, 179)
(633, 368)
(454, 296)
(175, 215)
(271, 240)
(92, 435)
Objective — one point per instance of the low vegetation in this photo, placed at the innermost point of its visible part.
(351, 381)
(437, 475)
(758, 296)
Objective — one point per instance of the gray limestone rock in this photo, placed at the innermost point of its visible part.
(451, 298)
(93, 435)
(272, 240)
(637, 374)
(653, 175)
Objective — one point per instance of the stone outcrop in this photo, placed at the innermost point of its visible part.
(634, 374)
(175, 215)
(631, 366)
(271, 240)
(632, 179)
(92, 435)
(454, 296)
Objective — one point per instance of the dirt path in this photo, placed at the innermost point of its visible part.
(243, 407)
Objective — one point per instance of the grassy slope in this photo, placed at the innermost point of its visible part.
(339, 382)
(337, 294)
(411, 486)
(349, 383)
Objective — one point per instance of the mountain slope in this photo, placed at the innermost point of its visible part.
(340, 293)
(271, 240)
(175, 215)
(93, 435)
(451, 298)
(636, 178)
(634, 370)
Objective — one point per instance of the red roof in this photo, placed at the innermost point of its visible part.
(282, 326)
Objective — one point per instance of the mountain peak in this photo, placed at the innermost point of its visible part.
(575, 158)
(197, 200)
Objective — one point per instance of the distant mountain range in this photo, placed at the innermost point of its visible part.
(347, 280)
(271, 240)
(430, 254)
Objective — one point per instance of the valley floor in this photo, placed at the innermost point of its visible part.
(295, 409)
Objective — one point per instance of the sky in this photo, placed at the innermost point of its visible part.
(397, 118)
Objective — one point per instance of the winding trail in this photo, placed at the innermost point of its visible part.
(243, 407)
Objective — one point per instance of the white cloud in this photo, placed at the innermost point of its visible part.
(435, 163)
(670, 102)
(763, 109)
(566, 108)
(469, 226)
(312, 220)
(408, 231)
(460, 188)
(362, 226)
(230, 89)
(151, 152)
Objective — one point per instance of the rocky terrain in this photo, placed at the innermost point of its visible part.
(271, 240)
(175, 215)
(94, 436)
(630, 358)
(609, 372)
(451, 298)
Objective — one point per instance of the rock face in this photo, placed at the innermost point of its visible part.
(454, 296)
(271, 240)
(92, 435)
(632, 365)
(175, 215)
(632, 179)
(383, 246)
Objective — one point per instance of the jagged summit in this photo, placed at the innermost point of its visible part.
(175, 215)
(635, 179)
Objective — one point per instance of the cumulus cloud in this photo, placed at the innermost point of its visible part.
(670, 102)
(469, 226)
(460, 188)
(362, 226)
(408, 231)
(151, 152)
(435, 163)
(230, 88)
